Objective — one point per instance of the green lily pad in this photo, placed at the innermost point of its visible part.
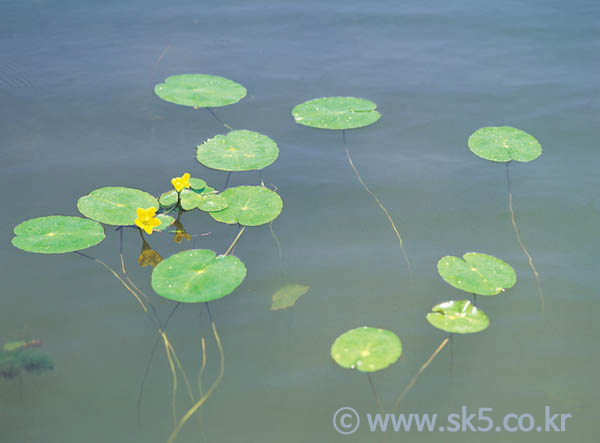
(57, 234)
(249, 206)
(168, 199)
(503, 144)
(366, 349)
(458, 317)
(115, 205)
(478, 273)
(197, 184)
(200, 90)
(336, 113)
(189, 200)
(212, 203)
(288, 295)
(165, 222)
(240, 150)
(197, 275)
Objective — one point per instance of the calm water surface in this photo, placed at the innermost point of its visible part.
(78, 112)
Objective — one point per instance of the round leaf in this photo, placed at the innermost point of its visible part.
(197, 275)
(165, 222)
(249, 206)
(200, 90)
(503, 144)
(57, 234)
(115, 205)
(197, 184)
(478, 273)
(336, 113)
(212, 203)
(168, 199)
(188, 200)
(458, 317)
(238, 151)
(366, 349)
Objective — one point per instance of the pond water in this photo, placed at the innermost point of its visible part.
(78, 113)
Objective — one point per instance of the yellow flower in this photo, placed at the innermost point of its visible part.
(146, 219)
(180, 183)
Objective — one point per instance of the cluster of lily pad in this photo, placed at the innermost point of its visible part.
(202, 275)
(190, 276)
(369, 349)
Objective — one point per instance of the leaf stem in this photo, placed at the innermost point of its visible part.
(421, 370)
(514, 224)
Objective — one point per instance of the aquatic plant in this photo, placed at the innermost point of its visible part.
(504, 144)
(367, 350)
(478, 274)
(287, 296)
(190, 276)
(343, 113)
(21, 356)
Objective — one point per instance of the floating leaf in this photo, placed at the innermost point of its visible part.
(249, 206)
(197, 184)
(168, 199)
(336, 113)
(458, 317)
(366, 349)
(57, 234)
(212, 203)
(165, 222)
(188, 200)
(287, 295)
(197, 275)
(115, 205)
(200, 90)
(503, 144)
(240, 150)
(478, 273)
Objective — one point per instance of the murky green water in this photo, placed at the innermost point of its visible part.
(78, 113)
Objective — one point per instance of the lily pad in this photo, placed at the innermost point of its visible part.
(200, 90)
(197, 275)
(115, 205)
(240, 150)
(249, 206)
(336, 113)
(57, 234)
(165, 222)
(189, 200)
(168, 199)
(366, 349)
(212, 202)
(197, 184)
(458, 317)
(478, 273)
(288, 295)
(503, 144)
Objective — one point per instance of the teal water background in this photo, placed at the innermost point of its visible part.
(78, 112)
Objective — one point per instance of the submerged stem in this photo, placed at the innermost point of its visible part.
(235, 240)
(208, 393)
(377, 399)
(514, 224)
(227, 180)
(118, 277)
(385, 211)
(421, 370)
(217, 118)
